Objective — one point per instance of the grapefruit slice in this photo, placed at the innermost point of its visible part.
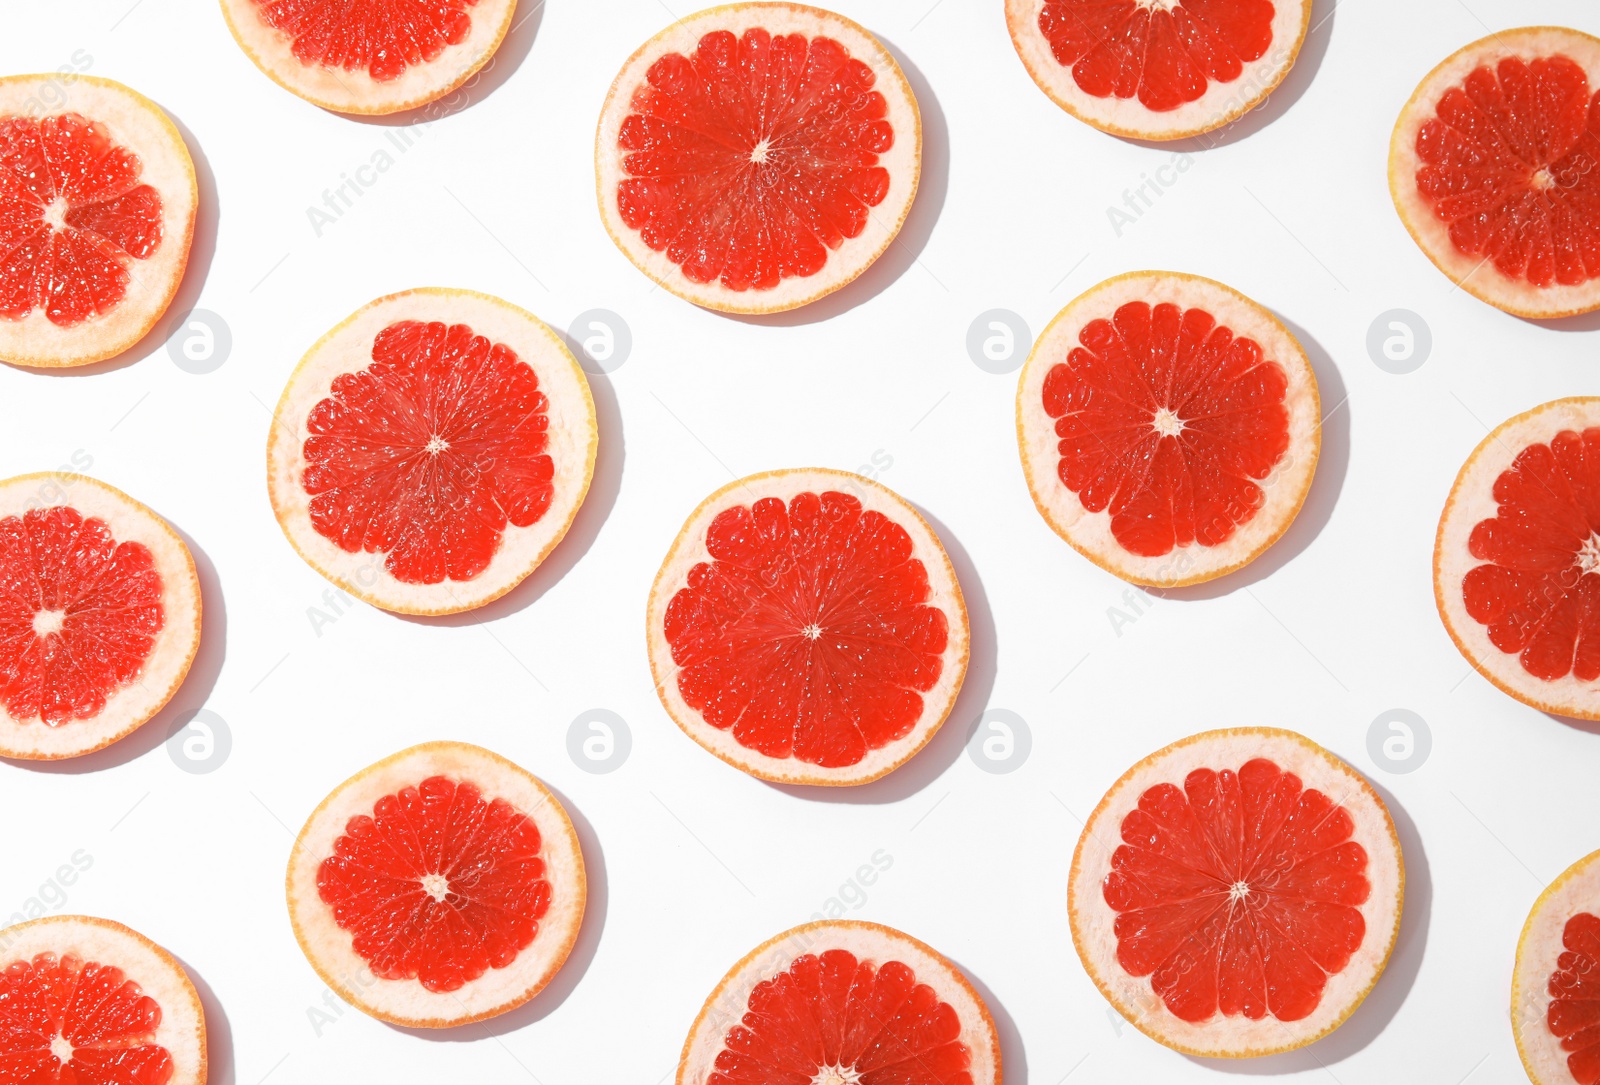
(431, 450)
(1169, 427)
(1237, 893)
(99, 615)
(441, 886)
(97, 205)
(1158, 69)
(755, 157)
(1493, 169)
(807, 627)
(87, 1000)
(1555, 1006)
(1516, 558)
(840, 1002)
(369, 56)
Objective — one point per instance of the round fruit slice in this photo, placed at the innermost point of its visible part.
(442, 885)
(1158, 69)
(369, 56)
(431, 450)
(87, 1000)
(1237, 893)
(754, 157)
(97, 205)
(1516, 563)
(842, 1001)
(99, 615)
(1493, 169)
(1169, 427)
(1555, 992)
(807, 628)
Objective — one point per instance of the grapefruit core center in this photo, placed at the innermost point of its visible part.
(61, 1048)
(47, 622)
(836, 1075)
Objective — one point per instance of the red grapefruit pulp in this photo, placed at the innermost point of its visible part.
(381, 37)
(1574, 988)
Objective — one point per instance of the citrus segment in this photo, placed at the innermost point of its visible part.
(369, 56)
(1168, 426)
(97, 204)
(1157, 69)
(1517, 558)
(1493, 170)
(431, 450)
(99, 615)
(440, 886)
(1553, 995)
(842, 1002)
(807, 627)
(1237, 893)
(89, 1001)
(752, 158)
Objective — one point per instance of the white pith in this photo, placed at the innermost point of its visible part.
(1538, 950)
(1221, 102)
(356, 91)
(1090, 533)
(328, 946)
(903, 160)
(944, 592)
(138, 125)
(1093, 920)
(1471, 501)
(573, 443)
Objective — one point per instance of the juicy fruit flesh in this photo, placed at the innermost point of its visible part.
(1508, 162)
(1574, 1012)
(74, 218)
(1169, 422)
(79, 614)
(439, 884)
(831, 1018)
(64, 1021)
(382, 37)
(429, 453)
(809, 633)
(748, 161)
(1537, 590)
(1238, 894)
(1164, 52)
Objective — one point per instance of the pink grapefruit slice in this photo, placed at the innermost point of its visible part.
(1158, 69)
(1169, 427)
(369, 56)
(754, 157)
(89, 1002)
(431, 450)
(97, 206)
(807, 627)
(840, 1002)
(1237, 893)
(1516, 562)
(1493, 169)
(1555, 1000)
(99, 615)
(440, 886)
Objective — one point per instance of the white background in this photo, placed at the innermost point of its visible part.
(692, 863)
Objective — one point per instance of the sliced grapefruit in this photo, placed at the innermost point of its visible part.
(99, 615)
(752, 158)
(840, 1002)
(89, 1001)
(97, 206)
(1237, 893)
(1516, 562)
(1158, 69)
(441, 886)
(431, 450)
(807, 627)
(369, 56)
(1169, 427)
(1555, 993)
(1494, 167)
